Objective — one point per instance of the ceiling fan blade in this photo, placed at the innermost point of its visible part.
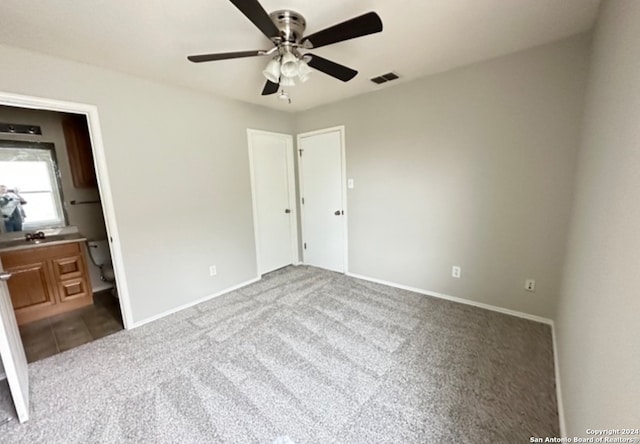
(223, 56)
(362, 25)
(333, 69)
(270, 88)
(258, 16)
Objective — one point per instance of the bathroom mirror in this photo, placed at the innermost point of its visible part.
(31, 196)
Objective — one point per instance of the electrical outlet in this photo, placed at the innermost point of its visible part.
(212, 270)
(530, 285)
(350, 183)
(455, 271)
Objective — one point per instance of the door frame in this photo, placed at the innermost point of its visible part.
(343, 161)
(102, 176)
(295, 255)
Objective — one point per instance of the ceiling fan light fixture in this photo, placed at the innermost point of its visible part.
(289, 66)
(303, 70)
(272, 70)
(287, 81)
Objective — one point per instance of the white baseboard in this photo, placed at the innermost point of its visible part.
(556, 366)
(196, 302)
(519, 314)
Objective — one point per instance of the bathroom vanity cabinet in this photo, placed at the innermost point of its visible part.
(47, 280)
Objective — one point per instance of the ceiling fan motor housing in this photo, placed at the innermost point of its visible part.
(291, 25)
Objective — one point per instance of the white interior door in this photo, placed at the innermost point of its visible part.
(322, 199)
(14, 360)
(273, 188)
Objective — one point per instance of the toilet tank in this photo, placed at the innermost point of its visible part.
(99, 251)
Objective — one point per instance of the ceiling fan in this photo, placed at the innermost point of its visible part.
(285, 29)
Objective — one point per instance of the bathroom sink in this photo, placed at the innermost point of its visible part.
(58, 238)
(17, 244)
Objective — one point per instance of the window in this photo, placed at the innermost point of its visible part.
(32, 171)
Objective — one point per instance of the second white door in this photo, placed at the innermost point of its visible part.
(322, 198)
(273, 188)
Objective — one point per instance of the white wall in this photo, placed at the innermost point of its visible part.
(179, 173)
(597, 318)
(472, 167)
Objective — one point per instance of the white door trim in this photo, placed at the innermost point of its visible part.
(102, 174)
(291, 181)
(341, 129)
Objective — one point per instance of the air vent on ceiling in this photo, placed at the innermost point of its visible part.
(385, 78)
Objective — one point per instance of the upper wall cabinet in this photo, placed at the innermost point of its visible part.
(76, 134)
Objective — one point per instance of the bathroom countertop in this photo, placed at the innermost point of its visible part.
(21, 244)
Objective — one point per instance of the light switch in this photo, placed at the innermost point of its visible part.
(349, 183)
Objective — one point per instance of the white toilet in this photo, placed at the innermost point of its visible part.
(100, 256)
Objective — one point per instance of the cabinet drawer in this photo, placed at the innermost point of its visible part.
(72, 289)
(65, 268)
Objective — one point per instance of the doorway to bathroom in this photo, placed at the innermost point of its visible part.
(63, 288)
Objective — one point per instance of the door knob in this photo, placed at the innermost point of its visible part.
(4, 276)
(337, 213)
(287, 211)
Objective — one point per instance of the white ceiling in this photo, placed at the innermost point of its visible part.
(152, 38)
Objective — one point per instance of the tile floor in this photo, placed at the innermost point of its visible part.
(50, 336)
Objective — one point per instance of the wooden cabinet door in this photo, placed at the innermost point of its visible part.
(31, 291)
(76, 136)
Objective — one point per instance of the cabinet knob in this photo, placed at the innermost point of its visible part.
(4, 276)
